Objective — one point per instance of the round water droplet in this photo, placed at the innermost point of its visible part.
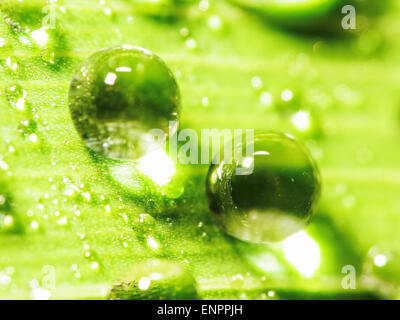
(266, 195)
(155, 280)
(118, 95)
(383, 262)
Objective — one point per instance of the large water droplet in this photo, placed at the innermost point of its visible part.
(155, 280)
(267, 195)
(118, 95)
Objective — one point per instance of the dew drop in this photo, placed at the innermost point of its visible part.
(16, 96)
(266, 99)
(237, 281)
(118, 95)
(155, 280)
(267, 195)
(287, 95)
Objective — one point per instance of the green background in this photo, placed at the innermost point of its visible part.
(347, 81)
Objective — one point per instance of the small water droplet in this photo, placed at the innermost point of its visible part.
(9, 220)
(152, 243)
(191, 44)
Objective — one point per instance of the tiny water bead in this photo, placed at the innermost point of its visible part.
(155, 280)
(274, 200)
(118, 95)
(16, 96)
